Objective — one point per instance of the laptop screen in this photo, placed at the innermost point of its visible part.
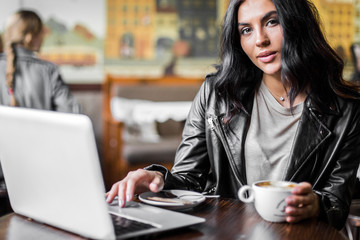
(52, 170)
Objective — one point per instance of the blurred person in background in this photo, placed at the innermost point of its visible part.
(26, 80)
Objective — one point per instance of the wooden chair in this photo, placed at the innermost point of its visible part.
(120, 156)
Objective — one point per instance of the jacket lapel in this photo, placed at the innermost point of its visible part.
(312, 132)
(234, 138)
(236, 134)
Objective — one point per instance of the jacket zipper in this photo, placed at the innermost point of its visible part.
(216, 127)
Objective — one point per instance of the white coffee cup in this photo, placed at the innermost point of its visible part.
(269, 198)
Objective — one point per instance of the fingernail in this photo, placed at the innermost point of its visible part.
(153, 187)
(121, 202)
(108, 199)
(128, 197)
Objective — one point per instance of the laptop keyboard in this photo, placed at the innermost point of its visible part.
(124, 225)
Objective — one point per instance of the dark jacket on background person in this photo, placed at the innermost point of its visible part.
(38, 84)
(325, 151)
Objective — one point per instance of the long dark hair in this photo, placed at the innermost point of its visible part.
(308, 62)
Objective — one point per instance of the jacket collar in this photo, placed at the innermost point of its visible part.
(332, 108)
(21, 51)
(314, 128)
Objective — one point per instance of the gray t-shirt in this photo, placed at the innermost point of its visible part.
(270, 137)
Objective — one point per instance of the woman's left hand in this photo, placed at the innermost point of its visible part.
(302, 204)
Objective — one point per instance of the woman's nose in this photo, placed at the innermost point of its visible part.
(262, 39)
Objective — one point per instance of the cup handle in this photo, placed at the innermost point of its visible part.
(242, 194)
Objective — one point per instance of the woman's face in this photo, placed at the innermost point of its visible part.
(261, 34)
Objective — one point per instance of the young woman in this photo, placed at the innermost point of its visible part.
(277, 108)
(26, 80)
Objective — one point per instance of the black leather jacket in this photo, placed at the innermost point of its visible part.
(326, 151)
(38, 84)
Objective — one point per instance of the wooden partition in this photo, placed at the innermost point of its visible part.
(114, 166)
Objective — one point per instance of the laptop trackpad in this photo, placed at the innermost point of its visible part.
(156, 216)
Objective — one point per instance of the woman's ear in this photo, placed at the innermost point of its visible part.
(28, 40)
(33, 42)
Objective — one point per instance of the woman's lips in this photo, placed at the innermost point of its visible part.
(266, 57)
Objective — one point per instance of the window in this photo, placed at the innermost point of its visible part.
(196, 22)
(112, 21)
(124, 8)
(211, 22)
(197, 3)
(211, 46)
(147, 9)
(211, 4)
(186, 3)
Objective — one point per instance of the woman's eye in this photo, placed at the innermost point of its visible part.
(245, 31)
(272, 22)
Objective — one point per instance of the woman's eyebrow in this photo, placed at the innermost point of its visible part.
(266, 16)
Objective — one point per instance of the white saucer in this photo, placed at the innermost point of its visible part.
(173, 199)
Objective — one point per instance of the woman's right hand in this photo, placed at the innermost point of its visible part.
(134, 183)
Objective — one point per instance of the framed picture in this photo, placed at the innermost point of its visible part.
(74, 35)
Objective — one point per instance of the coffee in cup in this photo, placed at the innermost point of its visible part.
(268, 197)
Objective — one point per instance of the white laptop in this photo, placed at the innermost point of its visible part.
(53, 175)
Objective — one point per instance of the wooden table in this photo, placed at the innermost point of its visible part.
(226, 219)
